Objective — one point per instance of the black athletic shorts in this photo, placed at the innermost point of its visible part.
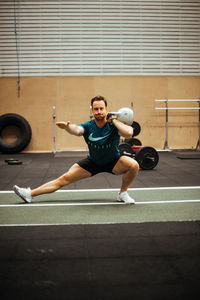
(94, 169)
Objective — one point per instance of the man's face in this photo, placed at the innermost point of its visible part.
(99, 110)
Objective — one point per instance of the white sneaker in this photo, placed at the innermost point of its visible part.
(124, 197)
(25, 194)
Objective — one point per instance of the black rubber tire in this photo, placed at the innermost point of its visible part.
(25, 133)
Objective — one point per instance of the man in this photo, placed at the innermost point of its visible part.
(102, 137)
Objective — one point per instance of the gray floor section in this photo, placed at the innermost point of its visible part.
(37, 169)
(147, 261)
(110, 262)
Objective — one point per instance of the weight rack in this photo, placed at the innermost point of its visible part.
(167, 108)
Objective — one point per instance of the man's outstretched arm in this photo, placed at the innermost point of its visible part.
(71, 128)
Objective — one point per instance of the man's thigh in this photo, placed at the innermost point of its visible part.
(76, 173)
(123, 165)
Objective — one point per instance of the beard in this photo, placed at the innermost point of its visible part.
(99, 117)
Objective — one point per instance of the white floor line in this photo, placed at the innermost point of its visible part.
(117, 189)
(31, 205)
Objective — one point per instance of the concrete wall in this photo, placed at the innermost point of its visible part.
(71, 97)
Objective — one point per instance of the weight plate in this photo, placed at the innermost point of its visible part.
(126, 149)
(9, 159)
(136, 148)
(133, 142)
(147, 157)
(14, 162)
(137, 128)
(137, 142)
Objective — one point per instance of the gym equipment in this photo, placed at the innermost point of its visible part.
(54, 129)
(24, 129)
(133, 142)
(12, 161)
(15, 162)
(125, 115)
(137, 142)
(137, 128)
(147, 157)
(167, 109)
(136, 148)
(126, 149)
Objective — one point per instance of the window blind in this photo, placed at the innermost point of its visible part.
(83, 38)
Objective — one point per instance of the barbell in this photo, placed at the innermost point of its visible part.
(147, 157)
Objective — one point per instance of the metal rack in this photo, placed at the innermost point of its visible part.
(54, 129)
(167, 108)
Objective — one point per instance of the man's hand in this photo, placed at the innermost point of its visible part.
(110, 117)
(63, 125)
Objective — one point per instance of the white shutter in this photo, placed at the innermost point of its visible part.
(59, 38)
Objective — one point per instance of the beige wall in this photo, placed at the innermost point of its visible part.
(71, 96)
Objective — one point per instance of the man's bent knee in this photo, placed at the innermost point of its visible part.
(125, 164)
(135, 165)
(132, 167)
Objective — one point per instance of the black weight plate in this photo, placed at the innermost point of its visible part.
(126, 149)
(14, 162)
(137, 142)
(147, 157)
(133, 142)
(9, 159)
(137, 128)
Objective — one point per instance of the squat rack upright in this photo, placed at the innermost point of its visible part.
(167, 108)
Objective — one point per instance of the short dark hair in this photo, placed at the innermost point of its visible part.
(99, 98)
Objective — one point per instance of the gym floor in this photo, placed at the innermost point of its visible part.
(174, 169)
(80, 244)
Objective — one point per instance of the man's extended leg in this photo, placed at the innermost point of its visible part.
(75, 173)
(129, 168)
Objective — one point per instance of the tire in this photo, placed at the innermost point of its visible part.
(25, 133)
